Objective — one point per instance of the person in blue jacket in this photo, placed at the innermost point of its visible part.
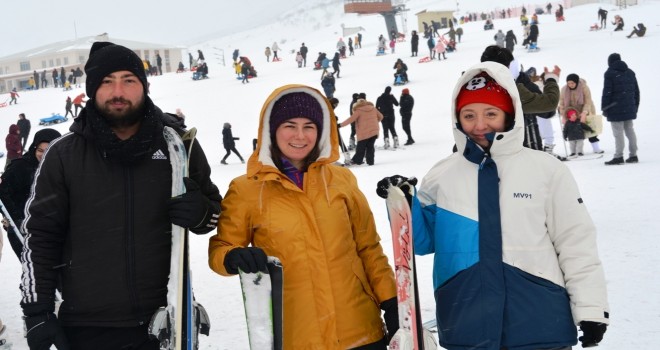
(516, 265)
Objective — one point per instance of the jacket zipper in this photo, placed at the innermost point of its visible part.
(130, 245)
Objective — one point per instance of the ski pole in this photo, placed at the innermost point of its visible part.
(561, 132)
(11, 222)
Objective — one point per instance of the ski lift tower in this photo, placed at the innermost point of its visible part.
(383, 7)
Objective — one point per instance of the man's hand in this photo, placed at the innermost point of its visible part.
(44, 330)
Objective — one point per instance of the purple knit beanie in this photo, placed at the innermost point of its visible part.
(296, 105)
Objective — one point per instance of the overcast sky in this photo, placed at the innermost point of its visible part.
(31, 23)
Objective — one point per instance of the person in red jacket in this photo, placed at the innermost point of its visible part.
(77, 102)
(13, 144)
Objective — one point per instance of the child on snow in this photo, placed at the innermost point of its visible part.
(574, 132)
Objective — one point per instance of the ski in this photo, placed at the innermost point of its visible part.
(178, 324)
(411, 333)
(262, 297)
(586, 157)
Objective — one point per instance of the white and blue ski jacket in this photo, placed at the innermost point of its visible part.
(516, 264)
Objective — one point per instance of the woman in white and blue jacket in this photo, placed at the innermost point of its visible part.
(516, 265)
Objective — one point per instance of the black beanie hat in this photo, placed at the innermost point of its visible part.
(296, 105)
(615, 57)
(494, 53)
(573, 77)
(106, 58)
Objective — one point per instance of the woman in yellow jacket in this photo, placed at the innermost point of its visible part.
(295, 204)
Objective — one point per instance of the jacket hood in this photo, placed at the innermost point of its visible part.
(363, 105)
(619, 66)
(506, 142)
(43, 135)
(261, 159)
(13, 129)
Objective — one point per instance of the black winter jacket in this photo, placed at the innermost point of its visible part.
(24, 126)
(100, 228)
(228, 138)
(385, 104)
(620, 99)
(407, 102)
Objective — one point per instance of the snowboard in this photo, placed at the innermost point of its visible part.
(411, 334)
(262, 298)
(177, 325)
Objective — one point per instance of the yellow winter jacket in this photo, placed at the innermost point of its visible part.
(335, 272)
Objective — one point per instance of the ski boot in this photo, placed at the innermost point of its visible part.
(387, 143)
(549, 148)
(396, 142)
(351, 143)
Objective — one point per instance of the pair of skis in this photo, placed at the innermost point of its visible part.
(178, 325)
(262, 291)
(412, 335)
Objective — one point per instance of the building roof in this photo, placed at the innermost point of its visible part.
(84, 43)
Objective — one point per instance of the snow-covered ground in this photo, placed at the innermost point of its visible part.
(621, 199)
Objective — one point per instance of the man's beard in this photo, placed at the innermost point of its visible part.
(125, 118)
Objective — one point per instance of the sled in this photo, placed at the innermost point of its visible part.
(3, 104)
(425, 59)
(53, 119)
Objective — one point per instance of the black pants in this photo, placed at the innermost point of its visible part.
(388, 125)
(24, 139)
(532, 133)
(107, 338)
(75, 114)
(353, 130)
(229, 150)
(405, 123)
(363, 147)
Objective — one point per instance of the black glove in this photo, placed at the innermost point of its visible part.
(592, 333)
(391, 308)
(249, 259)
(43, 331)
(189, 209)
(405, 184)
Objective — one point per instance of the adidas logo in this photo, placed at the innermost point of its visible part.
(159, 155)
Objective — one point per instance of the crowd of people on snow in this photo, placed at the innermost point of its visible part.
(497, 111)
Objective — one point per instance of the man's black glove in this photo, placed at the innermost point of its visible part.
(405, 184)
(44, 330)
(189, 209)
(391, 308)
(592, 333)
(249, 259)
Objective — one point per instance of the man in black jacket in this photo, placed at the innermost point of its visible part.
(24, 126)
(98, 223)
(620, 104)
(385, 104)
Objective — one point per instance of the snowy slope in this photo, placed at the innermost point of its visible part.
(621, 199)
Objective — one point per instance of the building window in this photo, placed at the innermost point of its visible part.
(50, 62)
(58, 62)
(25, 66)
(43, 64)
(81, 59)
(66, 61)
